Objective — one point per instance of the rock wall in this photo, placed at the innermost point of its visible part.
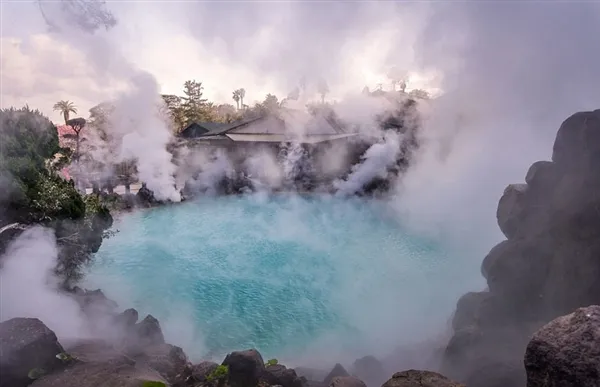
(548, 266)
(139, 357)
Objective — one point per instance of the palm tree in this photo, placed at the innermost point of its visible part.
(242, 92)
(236, 98)
(66, 108)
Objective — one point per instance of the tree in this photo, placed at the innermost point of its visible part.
(236, 98)
(323, 89)
(193, 105)
(269, 105)
(33, 193)
(77, 124)
(226, 113)
(65, 108)
(174, 111)
(418, 93)
(87, 15)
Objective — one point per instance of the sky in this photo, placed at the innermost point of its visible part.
(264, 47)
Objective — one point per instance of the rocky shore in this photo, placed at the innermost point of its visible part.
(129, 352)
(547, 267)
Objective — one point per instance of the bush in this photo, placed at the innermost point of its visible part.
(32, 192)
(221, 372)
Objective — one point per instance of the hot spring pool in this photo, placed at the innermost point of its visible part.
(285, 274)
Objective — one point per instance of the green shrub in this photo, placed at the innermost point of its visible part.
(151, 383)
(221, 372)
(272, 362)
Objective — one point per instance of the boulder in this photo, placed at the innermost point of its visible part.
(201, 371)
(346, 381)
(516, 273)
(512, 210)
(170, 361)
(311, 373)
(94, 303)
(96, 374)
(542, 175)
(577, 144)
(338, 370)
(148, 332)
(27, 345)
(245, 368)
(127, 318)
(370, 370)
(278, 374)
(414, 378)
(467, 309)
(566, 351)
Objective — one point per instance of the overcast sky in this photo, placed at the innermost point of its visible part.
(545, 51)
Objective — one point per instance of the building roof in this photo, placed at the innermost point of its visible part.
(287, 126)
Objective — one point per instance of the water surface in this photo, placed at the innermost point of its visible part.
(289, 275)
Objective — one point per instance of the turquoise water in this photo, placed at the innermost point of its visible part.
(288, 275)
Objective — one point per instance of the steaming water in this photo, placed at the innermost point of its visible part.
(288, 275)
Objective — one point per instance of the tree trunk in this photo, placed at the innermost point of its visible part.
(242, 101)
(66, 116)
(127, 188)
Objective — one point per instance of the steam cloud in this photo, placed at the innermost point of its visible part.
(28, 287)
(510, 73)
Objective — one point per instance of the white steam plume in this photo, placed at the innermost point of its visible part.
(29, 287)
(135, 119)
(145, 137)
(376, 161)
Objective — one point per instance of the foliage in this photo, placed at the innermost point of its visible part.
(219, 373)
(272, 362)
(194, 106)
(418, 93)
(66, 357)
(87, 15)
(34, 193)
(65, 108)
(174, 111)
(153, 383)
(29, 140)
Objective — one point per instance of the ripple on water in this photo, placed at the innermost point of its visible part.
(284, 274)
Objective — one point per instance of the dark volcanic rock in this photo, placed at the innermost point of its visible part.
(370, 370)
(577, 144)
(148, 332)
(93, 302)
(95, 374)
(414, 378)
(512, 209)
(279, 374)
(346, 381)
(127, 319)
(338, 370)
(201, 371)
(467, 309)
(566, 352)
(548, 267)
(170, 361)
(26, 344)
(245, 368)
